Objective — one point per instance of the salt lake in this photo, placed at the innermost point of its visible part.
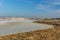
(12, 27)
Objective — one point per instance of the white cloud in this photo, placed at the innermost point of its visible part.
(57, 11)
(41, 6)
(48, 7)
(56, 2)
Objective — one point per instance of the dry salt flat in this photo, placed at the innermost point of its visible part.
(12, 27)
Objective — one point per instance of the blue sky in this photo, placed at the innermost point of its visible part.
(30, 8)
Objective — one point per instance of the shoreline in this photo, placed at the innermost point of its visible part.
(25, 26)
(46, 34)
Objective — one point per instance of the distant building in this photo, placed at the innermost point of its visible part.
(17, 19)
(12, 19)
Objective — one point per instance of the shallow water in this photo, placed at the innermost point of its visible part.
(24, 26)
